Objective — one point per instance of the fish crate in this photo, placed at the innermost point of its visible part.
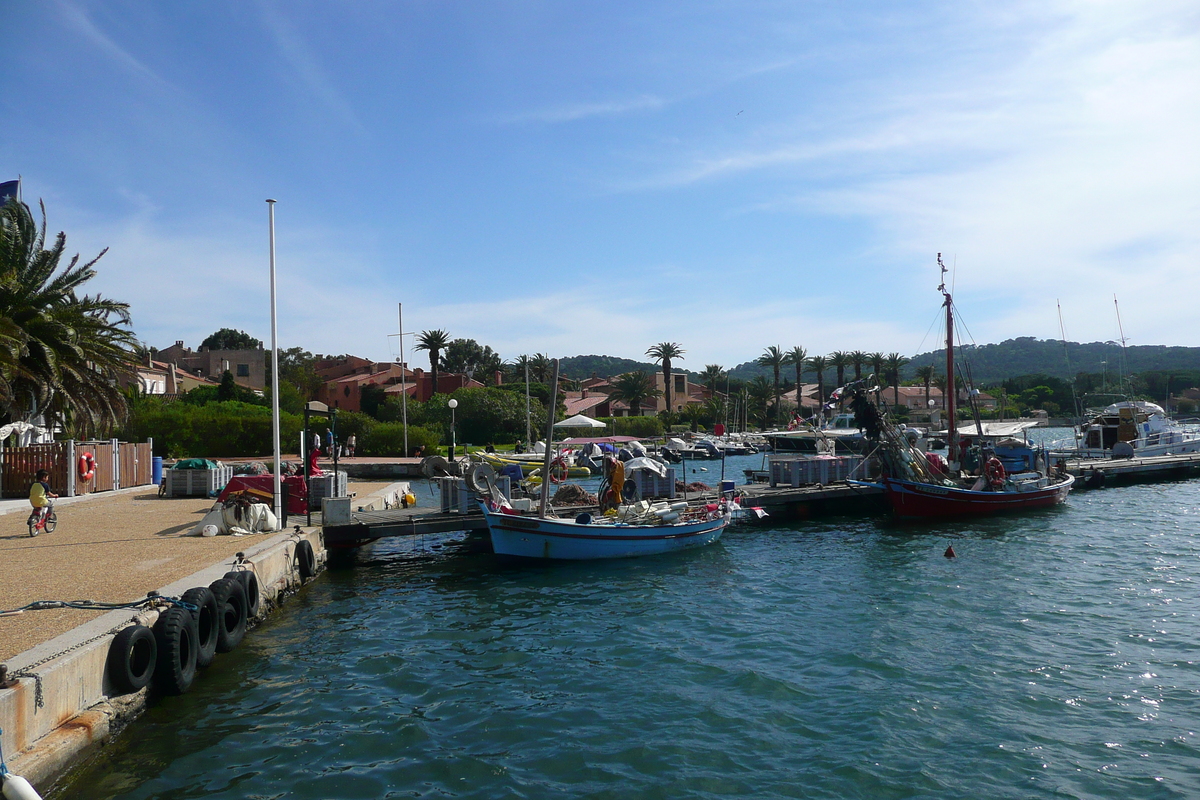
(458, 499)
(650, 485)
(195, 482)
(796, 471)
(327, 485)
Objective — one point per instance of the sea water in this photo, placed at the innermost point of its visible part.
(1058, 655)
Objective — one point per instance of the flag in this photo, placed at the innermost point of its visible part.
(8, 189)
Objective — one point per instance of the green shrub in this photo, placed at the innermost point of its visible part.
(387, 439)
(642, 427)
(212, 430)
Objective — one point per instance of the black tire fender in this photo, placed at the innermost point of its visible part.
(231, 613)
(249, 582)
(306, 559)
(175, 634)
(131, 659)
(206, 617)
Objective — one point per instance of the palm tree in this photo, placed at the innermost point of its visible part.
(632, 388)
(877, 360)
(60, 354)
(663, 352)
(926, 374)
(858, 358)
(893, 364)
(517, 368)
(758, 393)
(940, 382)
(773, 357)
(541, 368)
(797, 357)
(434, 342)
(711, 376)
(819, 364)
(840, 360)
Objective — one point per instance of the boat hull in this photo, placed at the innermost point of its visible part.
(531, 537)
(913, 500)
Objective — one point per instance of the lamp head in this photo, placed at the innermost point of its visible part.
(453, 403)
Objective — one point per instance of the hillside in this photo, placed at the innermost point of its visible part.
(991, 363)
(580, 367)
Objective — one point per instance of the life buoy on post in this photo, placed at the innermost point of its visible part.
(558, 470)
(87, 466)
(995, 472)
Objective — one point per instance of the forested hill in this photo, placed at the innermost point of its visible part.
(581, 367)
(1027, 355)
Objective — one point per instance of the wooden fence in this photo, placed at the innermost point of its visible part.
(22, 463)
(117, 465)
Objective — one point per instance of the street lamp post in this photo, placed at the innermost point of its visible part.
(453, 405)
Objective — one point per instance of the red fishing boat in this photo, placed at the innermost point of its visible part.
(921, 487)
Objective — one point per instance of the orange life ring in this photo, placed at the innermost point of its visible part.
(995, 472)
(87, 466)
(558, 470)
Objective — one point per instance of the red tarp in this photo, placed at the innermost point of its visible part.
(263, 486)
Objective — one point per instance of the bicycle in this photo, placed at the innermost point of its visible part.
(43, 522)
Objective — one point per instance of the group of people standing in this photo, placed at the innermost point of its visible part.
(331, 445)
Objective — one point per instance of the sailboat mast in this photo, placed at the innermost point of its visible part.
(951, 386)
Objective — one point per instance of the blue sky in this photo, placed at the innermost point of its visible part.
(595, 177)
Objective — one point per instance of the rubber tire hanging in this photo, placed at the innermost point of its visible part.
(249, 582)
(131, 659)
(231, 613)
(206, 617)
(178, 642)
(306, 560)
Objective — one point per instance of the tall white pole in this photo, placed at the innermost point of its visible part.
(528, 429)
(403, 387)
(275, 374)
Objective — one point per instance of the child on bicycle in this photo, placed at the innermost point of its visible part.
(40, 494)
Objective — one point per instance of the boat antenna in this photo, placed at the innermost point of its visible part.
(1121, 330)
(1062, 332)
(545, 499)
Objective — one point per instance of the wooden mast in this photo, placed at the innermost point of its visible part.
(951, 387)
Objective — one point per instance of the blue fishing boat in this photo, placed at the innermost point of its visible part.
(530, 536)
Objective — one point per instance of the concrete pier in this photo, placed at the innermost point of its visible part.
(63, 703)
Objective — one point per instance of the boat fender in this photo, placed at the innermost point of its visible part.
(680, 506)
(131, 659)
(206, 623)
(17, 788)
(231, 608)
(1095, 479)
(668, 516)
(178, 644)
(306, 560)
(249, 582)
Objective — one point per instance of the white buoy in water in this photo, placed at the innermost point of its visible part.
(17, 788)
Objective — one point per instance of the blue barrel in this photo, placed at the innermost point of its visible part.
(156, 471)
(726, 486)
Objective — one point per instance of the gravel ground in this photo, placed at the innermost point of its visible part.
(113, 548)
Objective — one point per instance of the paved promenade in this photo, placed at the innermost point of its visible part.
(110, 546)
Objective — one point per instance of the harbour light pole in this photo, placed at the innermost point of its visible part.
(275, 374)
(453, 405)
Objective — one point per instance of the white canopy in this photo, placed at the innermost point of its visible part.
(657, 467)
(579, 421)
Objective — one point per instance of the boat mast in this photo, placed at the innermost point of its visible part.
(951, 388)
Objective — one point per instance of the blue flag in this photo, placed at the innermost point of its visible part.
(7, 190)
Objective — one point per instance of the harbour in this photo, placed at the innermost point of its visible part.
(844, 656)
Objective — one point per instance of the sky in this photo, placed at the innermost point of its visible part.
(596, 177)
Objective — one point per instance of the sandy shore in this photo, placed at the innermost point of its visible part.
(111, 547)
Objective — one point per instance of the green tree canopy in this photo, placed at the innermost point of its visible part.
(468, 355)
(229, 339)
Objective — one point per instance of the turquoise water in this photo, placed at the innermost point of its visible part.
(1057, 656)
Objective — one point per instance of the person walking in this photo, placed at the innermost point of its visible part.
(351, 443)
